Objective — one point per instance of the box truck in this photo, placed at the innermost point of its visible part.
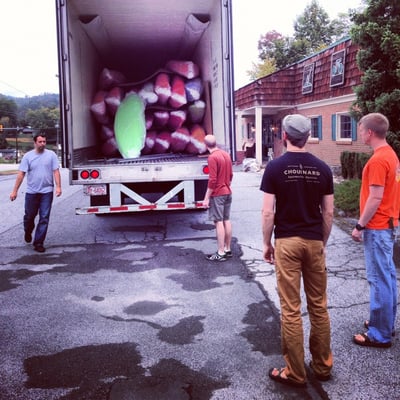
(173, 62)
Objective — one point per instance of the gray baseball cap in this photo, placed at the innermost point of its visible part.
(296, 126)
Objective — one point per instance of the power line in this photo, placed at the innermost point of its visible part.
(12, 87)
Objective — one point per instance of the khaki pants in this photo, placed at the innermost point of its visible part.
(296, 257)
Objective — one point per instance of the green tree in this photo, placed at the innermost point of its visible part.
(8, 111)
(280, 50)
(267, 44)
(43, 118)
(376, 31)
(341, 27)
(290, 50)
(313, 28)
(261, 69)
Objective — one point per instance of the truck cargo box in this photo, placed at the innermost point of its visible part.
(138, 40)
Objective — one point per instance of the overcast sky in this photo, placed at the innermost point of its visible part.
(28, 43)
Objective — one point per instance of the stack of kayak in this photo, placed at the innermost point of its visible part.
(162, 114)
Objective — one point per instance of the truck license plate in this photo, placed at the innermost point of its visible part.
(95, 190)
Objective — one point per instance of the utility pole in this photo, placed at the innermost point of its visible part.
(16, 145)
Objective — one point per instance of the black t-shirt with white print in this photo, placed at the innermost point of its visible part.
(299, 180)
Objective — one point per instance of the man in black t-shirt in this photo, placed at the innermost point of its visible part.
(298, 211)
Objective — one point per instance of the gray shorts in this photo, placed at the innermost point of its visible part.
(220, 208)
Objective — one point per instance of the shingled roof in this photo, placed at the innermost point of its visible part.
(286, 86)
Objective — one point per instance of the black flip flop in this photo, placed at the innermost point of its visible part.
(286, 381)
(367, 342)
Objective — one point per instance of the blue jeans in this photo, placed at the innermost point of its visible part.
(37, 203)
(381, 275)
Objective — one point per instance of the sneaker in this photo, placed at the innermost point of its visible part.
(216, 257)
(228, 253)
(28, 237)
(39, 248)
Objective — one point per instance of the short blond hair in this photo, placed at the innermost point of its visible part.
(377, 123)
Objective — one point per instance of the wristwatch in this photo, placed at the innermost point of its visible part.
(359, 227)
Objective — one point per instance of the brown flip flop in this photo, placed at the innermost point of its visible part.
(286, 381)
(367, 342)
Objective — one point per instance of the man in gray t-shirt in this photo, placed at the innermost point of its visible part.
(42, 167)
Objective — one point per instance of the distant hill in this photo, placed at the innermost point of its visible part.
(46, 100)
(42, 111)
(34, 103)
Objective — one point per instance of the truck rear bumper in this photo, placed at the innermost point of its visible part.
(138, 207)
(121, 197)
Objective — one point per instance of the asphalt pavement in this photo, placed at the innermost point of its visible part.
(359, 373)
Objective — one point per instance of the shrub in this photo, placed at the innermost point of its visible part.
(352, 164)
(347, 196)
(362, 159)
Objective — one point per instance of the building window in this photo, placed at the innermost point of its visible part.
(344, 131)
(316, 128)
(308, 79)
(337, 68)
(344, 127)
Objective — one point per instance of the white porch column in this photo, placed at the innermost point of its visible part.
(239, 130)
(258, 126)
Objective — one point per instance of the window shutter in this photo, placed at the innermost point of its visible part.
(353, 129)
(320, 127)
(334, 127)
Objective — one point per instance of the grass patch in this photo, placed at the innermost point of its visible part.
(9, 172)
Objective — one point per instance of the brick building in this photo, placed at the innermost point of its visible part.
(319, 87)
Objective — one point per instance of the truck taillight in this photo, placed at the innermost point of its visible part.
(92, 174)
(85, 174)
(206, 170)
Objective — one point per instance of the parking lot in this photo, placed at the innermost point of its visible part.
(126, 307)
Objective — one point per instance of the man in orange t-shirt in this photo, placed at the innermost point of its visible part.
(379, 216)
